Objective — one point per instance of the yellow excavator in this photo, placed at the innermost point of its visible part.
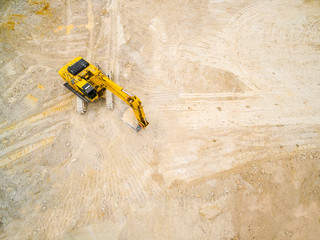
(89, 83)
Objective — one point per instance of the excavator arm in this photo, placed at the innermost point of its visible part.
(133, 101)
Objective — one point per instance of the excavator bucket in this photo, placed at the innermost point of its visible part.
(131, 121)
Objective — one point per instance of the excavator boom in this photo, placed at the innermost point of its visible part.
(133, 101)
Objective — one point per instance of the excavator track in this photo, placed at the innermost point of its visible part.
(81, 106)
(76, 93)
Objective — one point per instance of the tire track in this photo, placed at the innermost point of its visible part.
(91, 31)
(114, 50)
(258, 33)
(62, 106)
(11, 158)
(24, 141)
(43, 60)
(235, 147)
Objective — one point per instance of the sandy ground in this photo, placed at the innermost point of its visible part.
(230, 88)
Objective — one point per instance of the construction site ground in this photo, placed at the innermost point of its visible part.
(231, 90)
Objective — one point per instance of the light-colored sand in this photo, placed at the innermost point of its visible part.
(230, 88)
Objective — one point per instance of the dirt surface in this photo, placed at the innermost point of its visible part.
(230, 88)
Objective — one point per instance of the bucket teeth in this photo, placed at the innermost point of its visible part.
(135, 129)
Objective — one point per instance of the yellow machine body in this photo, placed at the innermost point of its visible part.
(88, 82)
